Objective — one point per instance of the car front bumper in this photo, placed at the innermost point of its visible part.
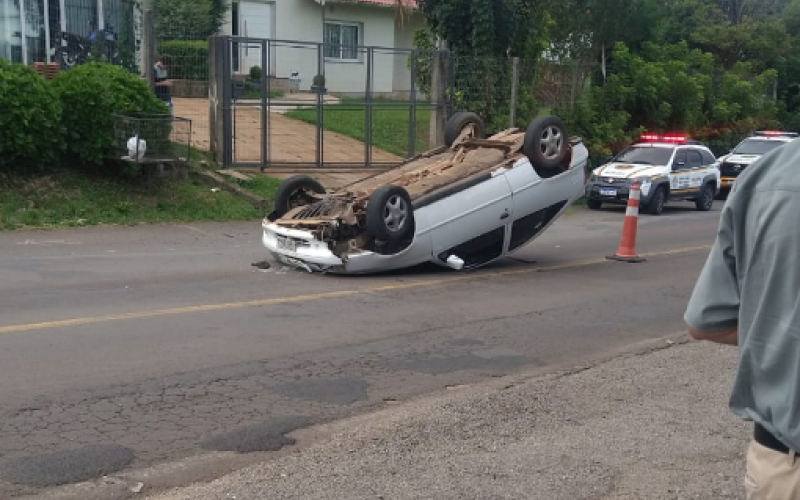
(299, 249)
(599, 191)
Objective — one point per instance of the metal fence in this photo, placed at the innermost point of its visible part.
(284, 103)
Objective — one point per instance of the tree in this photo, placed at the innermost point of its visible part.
(189, 19)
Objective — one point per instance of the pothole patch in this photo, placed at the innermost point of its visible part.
(338, 391)
(68, 466)
(269, 435)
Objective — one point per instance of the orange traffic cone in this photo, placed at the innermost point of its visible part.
(627, 245)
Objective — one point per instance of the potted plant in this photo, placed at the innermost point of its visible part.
(318, 85)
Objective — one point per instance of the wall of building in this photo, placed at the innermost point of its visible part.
(302, 20)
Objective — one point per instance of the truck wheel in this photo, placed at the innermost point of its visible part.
(295, 192)
(390, 215)
(547, 146)
(459, 123)
(705, 201)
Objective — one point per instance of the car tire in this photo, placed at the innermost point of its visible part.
(705, 201)
(294, 192)
(594, 204)
(458, 122)
(656, 205)
(390, 216)
(547, 146)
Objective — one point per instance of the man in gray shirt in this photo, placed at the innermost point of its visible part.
(748, 294)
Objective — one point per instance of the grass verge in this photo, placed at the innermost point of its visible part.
(72, 198)
(390, 120)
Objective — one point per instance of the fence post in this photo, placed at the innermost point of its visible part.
(219, 101)
(438, 113)
(148, 46)
(514, 92)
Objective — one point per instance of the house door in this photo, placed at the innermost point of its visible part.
(256, 20)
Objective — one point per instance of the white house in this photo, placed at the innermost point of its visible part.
(348, 27)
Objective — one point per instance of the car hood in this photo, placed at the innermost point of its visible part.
(743, 159)
(628, 170)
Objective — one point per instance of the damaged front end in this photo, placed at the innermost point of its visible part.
(321, 235)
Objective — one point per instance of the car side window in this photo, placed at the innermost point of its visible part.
(679, 163)
(708, 158)
(695, 160)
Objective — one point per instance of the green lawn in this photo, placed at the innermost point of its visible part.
(69, 198)
(260, 185)
(389, 123)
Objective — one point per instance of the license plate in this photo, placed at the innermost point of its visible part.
(608, 192)
(287, 244)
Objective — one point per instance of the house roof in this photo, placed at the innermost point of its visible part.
(378, 3)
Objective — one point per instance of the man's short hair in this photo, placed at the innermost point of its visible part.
(165, 60)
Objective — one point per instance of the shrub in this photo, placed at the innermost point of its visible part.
(31, 134)
(90, 94)
(255, 73)
(189, 58)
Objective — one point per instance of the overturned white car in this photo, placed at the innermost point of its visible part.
(462, 205)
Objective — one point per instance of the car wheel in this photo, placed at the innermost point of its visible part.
(463, 122)
(705, 201)
(594, 204)
(390, 216)
(547, 146)
(295, 192)
(656, 205)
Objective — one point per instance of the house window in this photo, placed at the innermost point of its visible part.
(341, 41)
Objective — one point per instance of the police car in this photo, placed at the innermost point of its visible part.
(748, 151)
(669, 167)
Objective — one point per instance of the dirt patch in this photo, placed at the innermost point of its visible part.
(290, 141)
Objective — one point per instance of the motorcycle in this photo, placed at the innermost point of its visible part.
(73, 49)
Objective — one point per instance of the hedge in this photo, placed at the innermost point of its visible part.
(31, 133)
(189, 59)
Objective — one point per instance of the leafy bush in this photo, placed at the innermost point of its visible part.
(31, 134)
(189, 58)
(90, 94)
(255, 73)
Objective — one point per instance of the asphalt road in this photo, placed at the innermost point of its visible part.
(126, 347)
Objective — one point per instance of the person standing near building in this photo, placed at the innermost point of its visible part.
(748, 295)
(161, 81)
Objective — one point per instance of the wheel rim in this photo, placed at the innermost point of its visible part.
(708, 198)
(395, 213)
(551, 142)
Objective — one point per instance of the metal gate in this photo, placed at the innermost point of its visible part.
(283, 103)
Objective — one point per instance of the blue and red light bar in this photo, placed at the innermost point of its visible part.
(673, 138)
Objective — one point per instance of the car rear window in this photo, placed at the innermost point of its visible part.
(756, 147)
(645, 155)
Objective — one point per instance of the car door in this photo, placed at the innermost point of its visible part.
(471, 223)
(695, 170)
(679, 177)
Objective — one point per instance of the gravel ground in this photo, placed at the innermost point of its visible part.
(640, 426)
